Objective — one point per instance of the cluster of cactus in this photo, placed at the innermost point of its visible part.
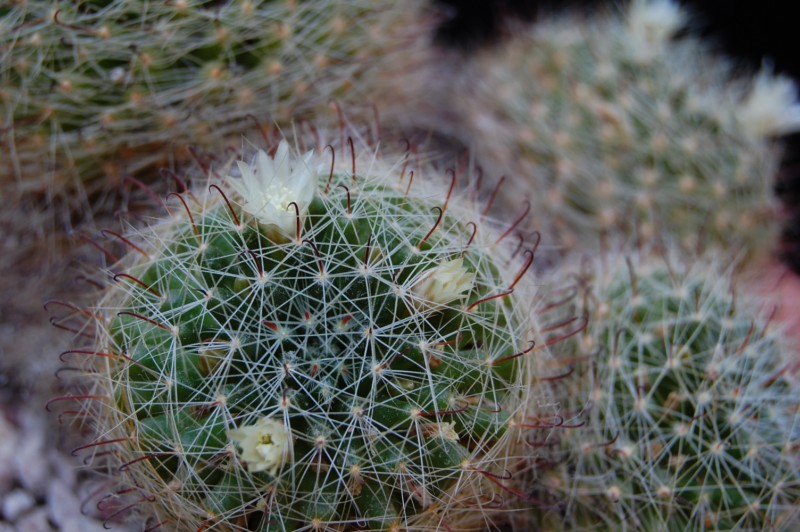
(318, 349)
(616, 128)
(308, 346)
(96, 91)
(689, 413)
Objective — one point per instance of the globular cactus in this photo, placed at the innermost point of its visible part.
(612, 125)
(318, 348)
(691, 419)
(94, 92)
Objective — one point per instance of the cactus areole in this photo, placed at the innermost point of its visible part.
(355, 368)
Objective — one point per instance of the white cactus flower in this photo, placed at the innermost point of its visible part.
(443, 284)
(651, 23)
(771, 108)
(270, 187)
(265, 445)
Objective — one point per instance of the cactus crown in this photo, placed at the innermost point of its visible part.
(359, 366)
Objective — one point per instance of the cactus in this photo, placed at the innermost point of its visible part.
(609, 125)
(691, 417)
(94, 92)
(325, 349)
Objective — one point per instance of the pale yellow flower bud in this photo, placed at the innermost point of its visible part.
(444, 284)
(264, 445)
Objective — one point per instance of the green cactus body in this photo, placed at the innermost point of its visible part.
(93, 92)
(692, 419)
(617, 128)
(364, 371)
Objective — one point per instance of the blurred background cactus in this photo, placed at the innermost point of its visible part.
(96, 92)
(690, 410)
(317, 350)
(613, 124)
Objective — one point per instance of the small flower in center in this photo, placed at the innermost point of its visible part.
(272, 187)
(444, 284)
(264, 445)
